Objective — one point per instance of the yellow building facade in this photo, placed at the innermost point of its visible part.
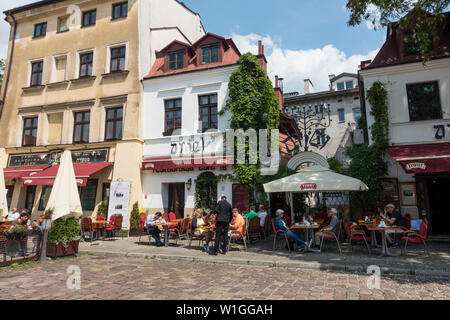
(72, 81)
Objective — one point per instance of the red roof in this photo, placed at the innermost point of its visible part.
(229, 55)
(82, 172)
(393, 52)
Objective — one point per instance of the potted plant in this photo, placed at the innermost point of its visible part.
(16, 241)
(102, 209)
(64, 238)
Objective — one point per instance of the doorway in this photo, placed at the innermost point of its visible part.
(177, 199)
(437, 197)
(29, 198)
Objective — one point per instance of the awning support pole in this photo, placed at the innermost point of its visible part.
(292, 206)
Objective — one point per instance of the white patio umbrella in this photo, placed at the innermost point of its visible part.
(64, 199)
(315, 179)
(3, 201)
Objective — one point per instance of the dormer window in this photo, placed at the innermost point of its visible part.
(176, 60)
(210, 54)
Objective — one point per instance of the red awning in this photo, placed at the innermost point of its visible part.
(82, 172)
(186, 163)
(20, 172)
(422, 158)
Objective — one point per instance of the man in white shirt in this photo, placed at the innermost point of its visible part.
(154, 230)
(13, 215)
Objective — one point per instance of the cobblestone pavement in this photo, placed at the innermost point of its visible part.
(134, 278)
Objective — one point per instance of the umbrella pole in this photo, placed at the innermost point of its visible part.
(292, 206)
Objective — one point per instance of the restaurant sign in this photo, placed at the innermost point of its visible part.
(308, 186)
(38, 159)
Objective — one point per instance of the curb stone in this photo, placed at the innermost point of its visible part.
(273, 264)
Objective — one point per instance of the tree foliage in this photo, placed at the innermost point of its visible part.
(421, 17)
(254, 105)
(368, 162)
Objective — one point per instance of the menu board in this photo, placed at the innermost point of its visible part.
(37, 159)
(119, 200)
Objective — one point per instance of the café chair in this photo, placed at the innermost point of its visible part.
(331, 236)
(254, 229)
(193, 237)
(184, 233)
(279, 235)
(172, 216)
(237, 235)
(144, 230)
(87, 227)
(356, 233)
(411, 236)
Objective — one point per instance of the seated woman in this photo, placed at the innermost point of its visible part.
(200, 227)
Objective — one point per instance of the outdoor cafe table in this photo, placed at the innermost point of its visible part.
(373, 241)
(100, 226)
(384, 248)
(308, 230)
(4, 221)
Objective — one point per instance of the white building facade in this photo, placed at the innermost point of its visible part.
(182, 125)
(419, 114)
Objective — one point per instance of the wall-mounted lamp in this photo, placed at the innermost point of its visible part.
(189, 184)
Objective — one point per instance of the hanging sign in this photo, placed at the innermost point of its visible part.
(308, 186)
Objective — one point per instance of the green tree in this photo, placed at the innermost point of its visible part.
(420, 17)
(254, 105)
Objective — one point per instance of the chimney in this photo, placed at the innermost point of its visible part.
(261, 57)
(365, 64)
(331, 76)
(309, 87)
(279, 92)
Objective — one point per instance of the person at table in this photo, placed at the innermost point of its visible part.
(331, 228)
(200, 225)
(13, 215)
(262, 214)
(393, 218)
(223, 219)
(251, 213)
(280, 225)
(153, 230)
(237, 224)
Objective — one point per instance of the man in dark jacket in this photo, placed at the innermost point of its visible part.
(223, 219)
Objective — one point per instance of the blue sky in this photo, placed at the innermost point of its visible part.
(303, 38)
(294, 24)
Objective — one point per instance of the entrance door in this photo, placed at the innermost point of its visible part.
(177, 199)
(440, 217)
(241, 197)
(29, 199)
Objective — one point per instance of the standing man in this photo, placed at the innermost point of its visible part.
(223, 220)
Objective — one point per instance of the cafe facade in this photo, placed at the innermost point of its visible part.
(418, 158)
(183, 126)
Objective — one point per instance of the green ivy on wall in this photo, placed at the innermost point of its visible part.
(203, 199)
(368, 161)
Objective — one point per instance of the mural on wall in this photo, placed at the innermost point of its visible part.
(312, 123)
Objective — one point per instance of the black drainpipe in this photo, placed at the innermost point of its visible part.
(6, 82)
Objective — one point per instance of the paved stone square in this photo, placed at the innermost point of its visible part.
(123, 278)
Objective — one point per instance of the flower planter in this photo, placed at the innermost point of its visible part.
(16, 248)
(59, 250)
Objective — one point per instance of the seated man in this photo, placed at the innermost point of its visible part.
(280, 225)
(251, 213)
(331, 228)
(152, 229)
(392, 218)
(13, 215)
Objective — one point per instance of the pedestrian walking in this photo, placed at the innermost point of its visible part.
(223, 219)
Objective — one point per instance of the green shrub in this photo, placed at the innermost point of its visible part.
(64, 230)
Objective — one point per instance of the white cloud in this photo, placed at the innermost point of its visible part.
(296, 65)
(374, 20)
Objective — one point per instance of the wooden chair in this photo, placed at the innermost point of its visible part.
(254, 229)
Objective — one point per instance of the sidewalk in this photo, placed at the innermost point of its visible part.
(416, 262)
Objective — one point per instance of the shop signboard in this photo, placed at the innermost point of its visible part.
(38, 159)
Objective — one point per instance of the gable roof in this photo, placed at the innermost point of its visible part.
(344, 74)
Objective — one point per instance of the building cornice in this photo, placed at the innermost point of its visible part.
(321, 95)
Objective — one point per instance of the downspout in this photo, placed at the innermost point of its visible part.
(6, 82)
